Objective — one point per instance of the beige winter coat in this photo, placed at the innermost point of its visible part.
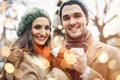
(104, 61)
(31, 68)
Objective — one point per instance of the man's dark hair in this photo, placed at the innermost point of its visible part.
(70, 2)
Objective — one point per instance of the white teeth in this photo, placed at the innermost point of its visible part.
(74, 29)
(41, 38)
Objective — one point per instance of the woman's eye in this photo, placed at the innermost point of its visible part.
(37, 27)
(47, 28)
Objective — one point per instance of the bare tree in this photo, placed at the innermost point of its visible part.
(97, 17)
(5, 5)
(4, 41)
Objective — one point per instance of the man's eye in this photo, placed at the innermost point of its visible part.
(77, 15)
(66, 18)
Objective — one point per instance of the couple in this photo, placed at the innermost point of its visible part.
(32, 59)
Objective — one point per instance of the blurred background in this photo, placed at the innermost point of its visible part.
(104, 20)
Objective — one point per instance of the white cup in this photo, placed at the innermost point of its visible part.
(80, 51)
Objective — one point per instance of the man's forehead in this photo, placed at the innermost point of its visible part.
(71, 9)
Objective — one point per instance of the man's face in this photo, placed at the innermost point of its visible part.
(74, 20)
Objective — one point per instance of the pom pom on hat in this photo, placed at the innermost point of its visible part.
(29, 17)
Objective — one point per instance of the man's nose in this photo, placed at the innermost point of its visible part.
(72, 21)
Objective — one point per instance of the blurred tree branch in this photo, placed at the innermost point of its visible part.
(96, 18)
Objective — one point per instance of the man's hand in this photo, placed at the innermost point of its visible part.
(81, 63)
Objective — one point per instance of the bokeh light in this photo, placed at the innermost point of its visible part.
(112, 64)
(97, 79)
(51, 79)
(64, 64)
(103, 57)
(9, 68)
(70, 57)
(60, 27)
(5, 51)
(45, 63)
(118, 77)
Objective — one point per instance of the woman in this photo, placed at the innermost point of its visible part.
(30, 56)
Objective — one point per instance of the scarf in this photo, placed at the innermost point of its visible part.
(43, 51)
(82, 42)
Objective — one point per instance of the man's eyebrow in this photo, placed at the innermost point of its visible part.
(65, 15)
(78, 13)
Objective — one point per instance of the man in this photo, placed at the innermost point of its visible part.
(99, 61)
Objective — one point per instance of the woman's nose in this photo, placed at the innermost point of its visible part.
(42, 32)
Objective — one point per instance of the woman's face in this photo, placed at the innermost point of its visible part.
(40, 30)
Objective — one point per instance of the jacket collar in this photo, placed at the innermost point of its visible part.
(93, 52)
